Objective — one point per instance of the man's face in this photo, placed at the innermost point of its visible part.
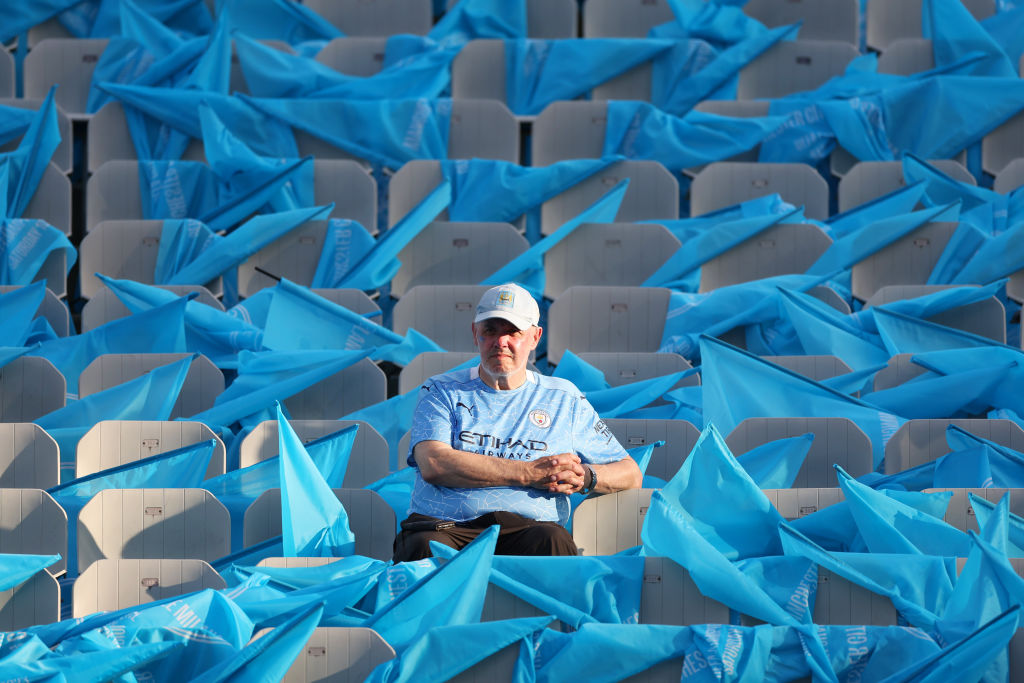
(504, 348)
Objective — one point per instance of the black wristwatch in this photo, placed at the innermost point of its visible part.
(593, 480)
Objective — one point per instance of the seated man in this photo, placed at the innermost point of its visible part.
(498, 444)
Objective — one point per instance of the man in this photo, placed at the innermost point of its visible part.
(498, 444)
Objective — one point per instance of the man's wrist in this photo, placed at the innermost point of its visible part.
(589, 479)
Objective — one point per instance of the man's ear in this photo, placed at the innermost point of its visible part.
(539, 332)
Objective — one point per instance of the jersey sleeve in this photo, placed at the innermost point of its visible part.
(593, 441)
(432, 419)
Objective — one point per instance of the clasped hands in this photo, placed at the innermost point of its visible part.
(562, 473)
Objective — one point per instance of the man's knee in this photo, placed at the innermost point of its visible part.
(543, 538)
(415, 545)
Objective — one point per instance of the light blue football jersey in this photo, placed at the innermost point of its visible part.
(544, 416)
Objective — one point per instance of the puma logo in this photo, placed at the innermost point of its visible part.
(469, 408)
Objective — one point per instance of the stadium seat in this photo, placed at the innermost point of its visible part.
(203, 383)
(620, 367)
(568, 129)
(375, 17)
(113, 584)
(68, 62)
(110, 443)
(986, 318)
(837, 441)
(900, 369)
(923, 440)
(52, 202)
(149, 524)
(624, 18)
(817, 368)
(446, 253)
(368, 460)
(609, 524)
(612, 254)
(442, 312)
(294, 256)
(370, 518)
(783, 249)
(889, 21)
(62, 156)
(1003, 145)
(795, 503)
(32, 523)
(104, 306)
(725, 183)
(669, 596)
(33, 602)
(410, 184)
(840, 602)
(821, 19)
(793, 66)
(358, 386)
(548, 19)
(1010, 178)
(338, 653)
(428, 364)
(679, 437)
(52, 308)
(867, 180)
(29, 457)
(107, 138)
(653, 194)
(30, 387)
(354, 300)
(960, 513)
(906, 261)
(8, 79)
(734, 109)
(906, 56)
(606, 319)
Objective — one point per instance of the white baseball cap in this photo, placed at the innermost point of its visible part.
(508, 302)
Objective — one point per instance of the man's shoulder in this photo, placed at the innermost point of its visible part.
(549, 383)
(451, 380)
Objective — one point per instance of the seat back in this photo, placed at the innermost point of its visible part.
(339, 654)
(52, 308)
(900, 369)
(410, 185)
(569, 130)
(153, 524)
(29, 457)
(817, 368)
(782, 249)
(367, 461)
(837, 441)
(923, 440)
(906, 261)
(62, 156)
(30, 387)
(669, 596)
(609, 524)
(67, 62)
(294, 256)
(33, 602)
(32, 523)
(548, 19)
(442, 312)
(358, 386)
(867, 180)
(986, 318)
(889, 21)
(621, 367)
(370, 518)
(960, 512)
(624, 18)
(350, 186)
(792, 66)
(112, 192)
(606, 319)
(108, 137)
(105, 307)
(1010, 178)
(725, 183)
(478, 71)
(428, 364)
(795, 503)
(483, 129)
(111, 443)
(109, 585)
(906, 56)
(376, 17)
(821, 19)
(52, 203)
(679, 437)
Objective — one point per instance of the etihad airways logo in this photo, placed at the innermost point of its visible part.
(491, 441)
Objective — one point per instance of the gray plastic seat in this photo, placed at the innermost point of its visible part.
(32, 523)
(30, 387)
(8, 79)
(29, 457)
(62, 156)
(52, 308)
(822, 19)
(108, 138)
(478, 71)
(679, 437)
(52, 202)
(960, 512)
(1010, 178)
(354, 300)
(203, 383)
(900, 369)
(35, 601)
(294, 256)
(621, 367)
(104, 306)
(725, 183)
(67, 62)
(456, 254)
(370, 518)
(906, 261)
(358, 386)
(906, 56)
(110, 585)
(569, 129)
(894, 19)
(923, 440)
(799, 502)
(339, 654)
(612, 254)
(867, 180)
(110, 443)
(368, 460)
(606, 319)
(1003, 145)
(609, 524)
(792, 66)
(986, 318)
(410, 184)
(623, 18)
(1015, 287)
(354, 55)
(817, 368)
(428, 364)
(787, 248)
(734, 109)
(375, 17)
(837, 441)
(442, 312)
(150, 524)
(653, 194)
(548, 19)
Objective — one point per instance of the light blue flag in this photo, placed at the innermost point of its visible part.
(314, 522)
(442, 652)
(624, 651)
(474, 19)
(18, 18)
(89, 667)
(29, 161)
(585, 376)
(626, 398)
(299, 319)
(270, 376)
(385, 132)
(26, 244)
(237, 489)
(346, 244)
(737, 385)
(211, 332)
(392, 419)
(295, 578)
(149, 397)
(1007, 465)
(277, 20)
(775, 464)
(820, 332)
(1000, 528)
(965, 392)
(19, 568)
(955, 34)
(538, 72)
(267, 658)
(381, 263)
(895, 203)
(396, 490)
(158, 330)
(906, 334)
(527, 269)
(18, 309)
(14, 121)
(451, 595)
(934, 303)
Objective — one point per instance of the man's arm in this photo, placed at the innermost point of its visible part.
(442, 465)
(616, 476)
